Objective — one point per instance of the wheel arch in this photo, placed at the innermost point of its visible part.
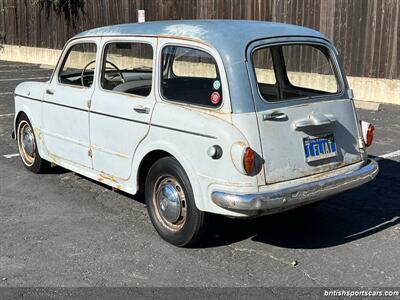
(30, 116)
(17, 117)
(145, 164)
(150, 153)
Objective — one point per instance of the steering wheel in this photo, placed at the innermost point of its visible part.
(107, 62)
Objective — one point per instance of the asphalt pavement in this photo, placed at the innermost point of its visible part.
(62, 229)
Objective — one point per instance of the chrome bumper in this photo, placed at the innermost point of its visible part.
(297, 192)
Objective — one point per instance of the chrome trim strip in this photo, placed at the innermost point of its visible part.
(185, 131)
(121, 118)
(116, 117)
(297, 193)
(29, 98)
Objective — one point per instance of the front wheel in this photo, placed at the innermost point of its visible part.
(27, 147)
(171, 206)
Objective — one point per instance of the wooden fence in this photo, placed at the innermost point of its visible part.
(366, 32)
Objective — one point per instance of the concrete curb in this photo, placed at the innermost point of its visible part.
(44, 66)
(369, 105)
(369, 89)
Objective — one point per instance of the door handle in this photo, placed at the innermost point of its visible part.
(142, 110)
(50, 92)
(314, 119)
(275, 115)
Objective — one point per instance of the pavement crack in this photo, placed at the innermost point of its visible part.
(279, 260)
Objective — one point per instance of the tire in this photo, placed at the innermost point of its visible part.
(176, 218)
(29, 153)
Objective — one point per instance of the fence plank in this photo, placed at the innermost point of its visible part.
(366, 32)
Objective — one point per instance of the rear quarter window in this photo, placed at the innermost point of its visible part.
(190, 76)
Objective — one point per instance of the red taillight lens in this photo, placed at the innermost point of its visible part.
(248, 160)
(370, 135)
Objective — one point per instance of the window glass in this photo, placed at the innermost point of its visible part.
(298, 71)
(264, 68)
(191, 76)
(79, 65)
(309, 67)
(128, 68)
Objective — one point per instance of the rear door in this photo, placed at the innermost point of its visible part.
(306, 120)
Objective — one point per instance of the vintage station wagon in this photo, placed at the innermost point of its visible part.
(238, 118)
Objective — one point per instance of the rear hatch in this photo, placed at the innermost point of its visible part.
(306, 122)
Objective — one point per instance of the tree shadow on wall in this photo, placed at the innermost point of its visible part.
(70, 9)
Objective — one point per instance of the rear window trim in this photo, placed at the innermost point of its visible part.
(334, 62)
(160, 66)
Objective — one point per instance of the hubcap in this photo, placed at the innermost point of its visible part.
(170, 202)
(26, 143)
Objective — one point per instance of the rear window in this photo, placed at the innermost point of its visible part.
(190, 76)
(294, 71)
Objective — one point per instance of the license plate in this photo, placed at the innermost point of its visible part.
(319, 148)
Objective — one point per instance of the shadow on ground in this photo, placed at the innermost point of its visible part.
(339, 220)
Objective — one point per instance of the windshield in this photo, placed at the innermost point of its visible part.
(294, 71)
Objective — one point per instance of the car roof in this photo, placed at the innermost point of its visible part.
(217, 33)
(230, 38)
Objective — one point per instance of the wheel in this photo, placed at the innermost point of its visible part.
(171, 206)
(27, 147)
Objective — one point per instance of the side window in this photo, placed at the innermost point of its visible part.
(191, 76)
(128, 68)
(265, 74)
(79, 65)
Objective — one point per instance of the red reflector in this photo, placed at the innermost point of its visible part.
(370, 135)
(215, 98)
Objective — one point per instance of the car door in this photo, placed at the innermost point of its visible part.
(122, 104)
(65, 106)
(306, 119)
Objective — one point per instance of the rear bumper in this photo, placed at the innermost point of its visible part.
(297, 192)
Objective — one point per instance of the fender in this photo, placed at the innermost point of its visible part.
(28, 98)
(167, 146)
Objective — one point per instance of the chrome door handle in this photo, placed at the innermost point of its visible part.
(314, 119)
(142, 110)
(50, 92)
(275, 115)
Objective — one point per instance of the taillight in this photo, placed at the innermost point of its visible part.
(248, 160)
(370, 135)
(368, 132)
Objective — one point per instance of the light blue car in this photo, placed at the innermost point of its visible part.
(238, 118)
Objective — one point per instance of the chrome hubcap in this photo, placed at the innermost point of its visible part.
(26, 143)
(170, 201)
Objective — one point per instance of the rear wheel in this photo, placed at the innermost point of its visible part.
(171, 206)
(27, 147)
